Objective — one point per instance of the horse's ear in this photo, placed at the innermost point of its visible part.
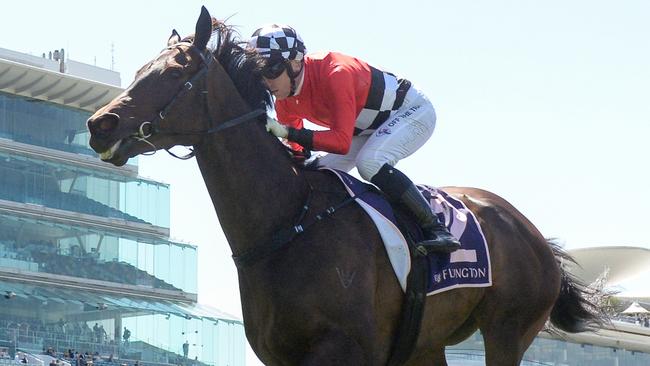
(174, 38)
(203, 29)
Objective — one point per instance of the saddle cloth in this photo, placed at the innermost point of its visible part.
(469, 266)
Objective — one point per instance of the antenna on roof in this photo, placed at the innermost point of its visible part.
(62, 61)
(112, 56)
(59, 56)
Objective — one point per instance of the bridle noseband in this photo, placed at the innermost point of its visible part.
(149, 128)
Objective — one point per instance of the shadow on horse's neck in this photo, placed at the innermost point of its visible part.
(253, 185)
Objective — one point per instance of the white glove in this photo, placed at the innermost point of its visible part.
(276, 128)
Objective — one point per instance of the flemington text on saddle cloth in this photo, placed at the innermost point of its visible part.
(469, 266)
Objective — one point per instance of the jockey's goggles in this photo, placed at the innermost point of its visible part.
(274, 70)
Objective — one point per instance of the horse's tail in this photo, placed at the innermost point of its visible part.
(578, 307)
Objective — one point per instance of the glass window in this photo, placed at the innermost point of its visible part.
(72, 319)
(107, 256)
(186, 257)
(71, 188)
(45, 124)
(163, 263)
(191, 270)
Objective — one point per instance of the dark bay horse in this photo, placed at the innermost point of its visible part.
(329, 297)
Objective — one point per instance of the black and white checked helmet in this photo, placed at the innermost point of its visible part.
(275, 41)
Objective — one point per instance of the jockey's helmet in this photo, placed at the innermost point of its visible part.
(277, 41)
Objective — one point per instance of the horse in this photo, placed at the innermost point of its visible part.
(329, 295)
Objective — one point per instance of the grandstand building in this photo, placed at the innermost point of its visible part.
(86, 262)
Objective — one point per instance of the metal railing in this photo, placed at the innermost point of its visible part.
(474, 355)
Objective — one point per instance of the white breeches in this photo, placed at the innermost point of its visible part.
(403, 133)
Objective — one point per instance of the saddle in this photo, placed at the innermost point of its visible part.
(467, 267)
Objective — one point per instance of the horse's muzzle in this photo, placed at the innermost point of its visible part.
(103, 124)
(101, 130)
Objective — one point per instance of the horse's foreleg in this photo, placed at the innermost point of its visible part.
(429, 357)
(335, 348)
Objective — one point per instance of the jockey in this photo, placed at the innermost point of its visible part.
(373, 118)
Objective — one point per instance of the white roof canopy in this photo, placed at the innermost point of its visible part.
(66, 89)
(635, 308)
(623, 263)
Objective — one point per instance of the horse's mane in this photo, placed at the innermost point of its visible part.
(241, 64)
(243, 67)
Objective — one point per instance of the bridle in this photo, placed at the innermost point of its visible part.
(154, 126)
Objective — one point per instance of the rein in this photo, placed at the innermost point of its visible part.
(154, 126)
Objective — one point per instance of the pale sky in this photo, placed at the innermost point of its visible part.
(545, 103)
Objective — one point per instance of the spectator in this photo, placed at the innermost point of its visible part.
(126, 335)
(102, 334)
(61, 325)
(24, 360)
(97, 333)
(85, 329)
(646, 322)
(110, 358)
(12, 350)
(186, 348)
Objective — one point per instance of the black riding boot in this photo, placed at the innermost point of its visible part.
(399, 188)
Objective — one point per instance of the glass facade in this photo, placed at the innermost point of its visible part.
(74, 250)
(39, 318)
(551, 352)
(220, 341)
(40, 123)
(67, 215)
(72, 188)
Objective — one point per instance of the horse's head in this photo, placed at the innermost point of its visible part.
(164, 106)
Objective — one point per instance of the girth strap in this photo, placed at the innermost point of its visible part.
(286, 235)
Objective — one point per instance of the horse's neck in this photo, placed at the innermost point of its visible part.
(254, 187)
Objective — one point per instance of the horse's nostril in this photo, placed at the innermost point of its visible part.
(104, 124)
(107, 124)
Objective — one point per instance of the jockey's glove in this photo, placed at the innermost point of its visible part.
(276, 128)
